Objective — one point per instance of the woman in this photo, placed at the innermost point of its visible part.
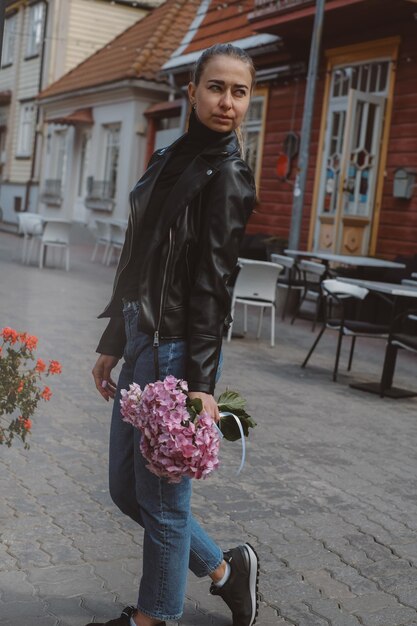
(188, 214)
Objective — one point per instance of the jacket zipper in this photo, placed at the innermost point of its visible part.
(164, 284)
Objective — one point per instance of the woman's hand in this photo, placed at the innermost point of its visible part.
(209, 403)
(102, 375)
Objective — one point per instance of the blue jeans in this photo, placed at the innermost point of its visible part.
(173, 539)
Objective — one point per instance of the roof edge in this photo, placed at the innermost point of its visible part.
(85, 91)
(247, 43)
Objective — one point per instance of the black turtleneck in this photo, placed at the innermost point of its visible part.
(197, 138)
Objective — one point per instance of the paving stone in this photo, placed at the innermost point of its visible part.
(369, 603)
(389, 616)
(328, 586)
(333, 612)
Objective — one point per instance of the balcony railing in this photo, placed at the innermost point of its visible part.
(52, 192)
(100, 195)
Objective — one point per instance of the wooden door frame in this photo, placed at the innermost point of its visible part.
(366, 51)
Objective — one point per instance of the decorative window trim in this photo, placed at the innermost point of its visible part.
(263, 93)
(9, 42)
(108, 130)
(25, 142)
(32, 56)
(35, 36)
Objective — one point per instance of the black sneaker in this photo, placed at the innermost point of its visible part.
(123, 620)
(240, 592)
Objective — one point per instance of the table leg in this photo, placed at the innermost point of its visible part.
(384, 387)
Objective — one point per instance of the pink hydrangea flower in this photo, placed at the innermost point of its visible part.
(173, 444)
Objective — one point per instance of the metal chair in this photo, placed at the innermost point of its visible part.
(336, 292)
(256, 285)
(102, 237)
(290, 280)
(312, 274)
(56, 235)
(117, 239)
(30, 225)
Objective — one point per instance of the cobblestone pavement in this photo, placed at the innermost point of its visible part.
(327, 496)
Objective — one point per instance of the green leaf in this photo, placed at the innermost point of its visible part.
(194, 408)
(231, 399)
(230, 429)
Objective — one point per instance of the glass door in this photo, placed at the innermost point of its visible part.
(357, 185)
(349, 175)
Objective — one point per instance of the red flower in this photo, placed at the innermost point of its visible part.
(46, 394)
(40, 366)
(31, 342)
(26, 422)
(54, 367)
(9, 335)
(20, 387)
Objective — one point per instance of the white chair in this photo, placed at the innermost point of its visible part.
(102, 237)
(290, 280)
(30, 225)
(117, 239)
(256, 285)
(56, 235)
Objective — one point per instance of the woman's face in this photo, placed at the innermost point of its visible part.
(222, 96)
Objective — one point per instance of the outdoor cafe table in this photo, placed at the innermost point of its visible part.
(345, 259)
(396, 291)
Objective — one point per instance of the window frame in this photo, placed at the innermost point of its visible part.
(35, 28)
(259, 127)
(107, 168)
(59, 152)
(25, 137)
(9, 41)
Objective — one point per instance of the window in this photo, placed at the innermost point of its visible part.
(59, 152)
(26, 130)
(84, 159)
(253, 132)
(111, 158)
(9, 40)
(34, 29)
(2, 149)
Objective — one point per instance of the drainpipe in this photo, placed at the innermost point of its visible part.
(35, 142)
(2, 14)
(301, 178)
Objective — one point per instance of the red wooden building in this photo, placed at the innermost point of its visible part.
(364, 124)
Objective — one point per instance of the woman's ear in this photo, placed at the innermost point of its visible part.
(191, 93)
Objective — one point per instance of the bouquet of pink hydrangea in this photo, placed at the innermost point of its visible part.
(178, 438)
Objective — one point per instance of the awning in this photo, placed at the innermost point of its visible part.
(79, 117)
(168, 107)
(5, 97)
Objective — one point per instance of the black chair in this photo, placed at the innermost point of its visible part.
(402, 335)
(290, 280)
(339, 295)
(312, 274)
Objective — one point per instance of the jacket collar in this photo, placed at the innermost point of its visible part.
(226, 145)
(193, 179)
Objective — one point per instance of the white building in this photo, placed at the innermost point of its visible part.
(97, 135)
(43, 40)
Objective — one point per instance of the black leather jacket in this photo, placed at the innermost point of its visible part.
(187, 257)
